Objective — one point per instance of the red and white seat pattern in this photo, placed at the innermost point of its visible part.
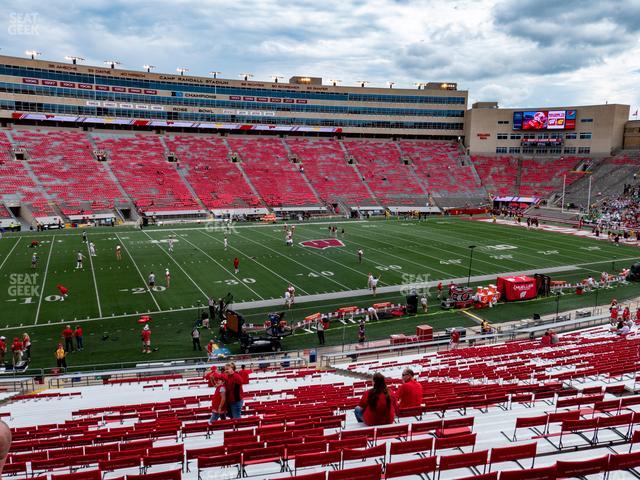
(217, 182)
(142, 169)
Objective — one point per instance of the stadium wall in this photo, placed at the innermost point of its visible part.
(632, 135)
(599, 130)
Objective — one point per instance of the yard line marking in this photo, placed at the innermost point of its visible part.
(220, 265)
(144, 282)
(44, 280)
(179, 266)
(335, 261)
(446, 275)
(10, 252)
(301, 264)
(309, 300)
(132, 229)
(263, 266)
(463, 253)
(95, 283)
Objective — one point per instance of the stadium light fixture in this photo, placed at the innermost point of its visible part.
(335, 82)
(391, 84)
(33, 53)
(246, 76)
(74, 59)
(275, 78)
(112, 63)
(471, 248)
(215, 74)
(148, 68)
(181, 70)
(363, 83)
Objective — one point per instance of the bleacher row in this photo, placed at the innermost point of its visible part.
(298, 423)
(60, 168)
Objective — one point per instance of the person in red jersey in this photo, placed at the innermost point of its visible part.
(219, 399)
(3, 349)
(236, 265)
(146, 339)
(378, 406)
(244, 374)
(64, 291)
(79, 336)
(455, 339)
(410, 392)
(234, 390)
(67, 334)
(209, 377)
(545, 340)
(16, 348)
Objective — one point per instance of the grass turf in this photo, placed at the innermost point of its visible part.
(106, 293)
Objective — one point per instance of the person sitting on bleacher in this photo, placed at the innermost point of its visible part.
(377, 406)
(410, 392)
(545, 340)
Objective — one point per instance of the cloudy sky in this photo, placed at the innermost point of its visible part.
(518, 52)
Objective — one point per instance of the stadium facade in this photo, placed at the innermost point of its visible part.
(584, 130)
(74, 93)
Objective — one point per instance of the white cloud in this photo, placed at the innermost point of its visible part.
(512, 51)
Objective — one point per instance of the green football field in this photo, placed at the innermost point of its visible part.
(110, 292)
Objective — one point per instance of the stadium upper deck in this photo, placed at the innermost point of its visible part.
(72, 93)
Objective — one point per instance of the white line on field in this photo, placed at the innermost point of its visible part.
(263, 266)
(44, 280)
(220, 265)
(10, 252)
(95, 283)
(144, 281)
(179, 266)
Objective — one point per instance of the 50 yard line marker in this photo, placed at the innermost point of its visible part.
(44, 280)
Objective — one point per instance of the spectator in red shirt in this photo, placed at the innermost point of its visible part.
(410, 392)
(234, 390)
(16, 348)
(244, 374)
(210, 376)
(146, 339)
(219, 399)
(67, 334)
(545, 340)
(3, 349)
(79, 338)
(377, 406)
(455, 339)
